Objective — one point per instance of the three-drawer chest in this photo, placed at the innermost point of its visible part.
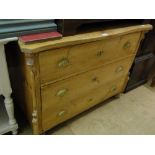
(56, 80)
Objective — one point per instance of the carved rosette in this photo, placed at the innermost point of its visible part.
(29, 59)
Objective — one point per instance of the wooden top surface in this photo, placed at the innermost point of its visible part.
(82, 38)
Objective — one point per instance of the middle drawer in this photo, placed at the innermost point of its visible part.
(75, 86)
(61, 63)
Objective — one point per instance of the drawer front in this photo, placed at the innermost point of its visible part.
(80, 92)
(62, 112)
(64, 62)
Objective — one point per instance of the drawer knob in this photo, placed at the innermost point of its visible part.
(113, 89)
(95, 79)
(119, 69)
(62, 92)
(127, 45)
(61, 113)
(63, 62)
(100, 53)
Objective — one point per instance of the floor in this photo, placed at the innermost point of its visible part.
(132, 113)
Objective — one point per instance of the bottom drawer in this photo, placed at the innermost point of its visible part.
(55, 114)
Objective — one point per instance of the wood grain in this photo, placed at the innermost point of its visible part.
(54, 92)
(31, 90)
(65, 110)
(80, 86)
(83, 38)
(83, 57)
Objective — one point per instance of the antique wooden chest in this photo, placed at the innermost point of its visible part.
(65, 77)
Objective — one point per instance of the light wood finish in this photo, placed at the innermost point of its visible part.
(64, 62)
(31, 85)
(83, 38)
(64, 110)
(64, 77)
(63, 94)
(77, 85)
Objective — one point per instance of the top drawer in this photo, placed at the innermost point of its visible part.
(64, 62)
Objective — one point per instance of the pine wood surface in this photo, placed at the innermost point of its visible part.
(90, 85)
(55, 92)
(82, 38)
(83, 57)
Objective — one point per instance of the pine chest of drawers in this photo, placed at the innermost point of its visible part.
(65, 77)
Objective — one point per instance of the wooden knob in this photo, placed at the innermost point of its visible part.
(61, 113)
(62, 92)
(63, 62)
(113, 89)
(127, 45)
(119, 69)
(100, 53)
(95, 79)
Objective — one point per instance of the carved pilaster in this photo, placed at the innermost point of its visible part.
(31, 62)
